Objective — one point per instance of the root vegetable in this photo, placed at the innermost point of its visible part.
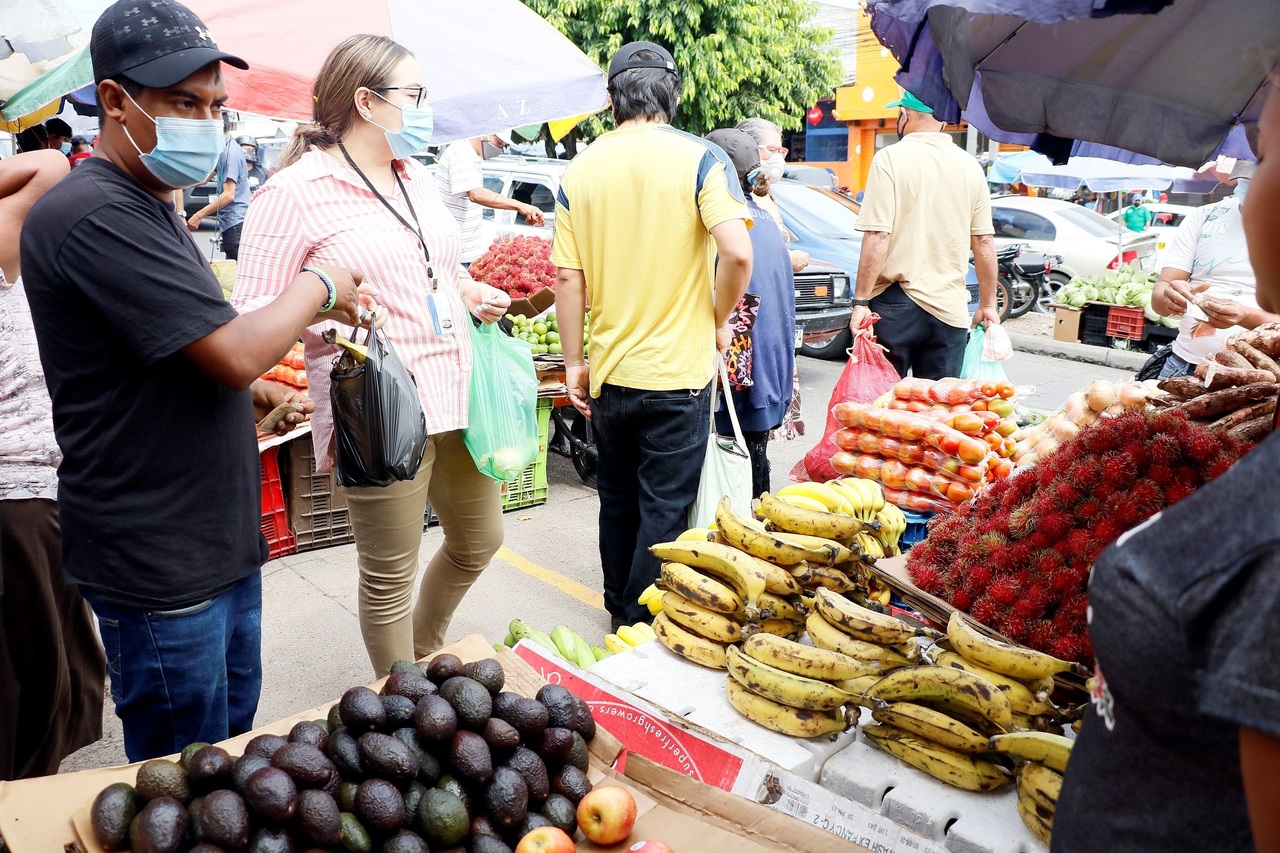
(1231, 358)
(1228, 400)
(1254, 430)
(1217, 377)
(1244, 414)
(1259, 359)
(1185, 387)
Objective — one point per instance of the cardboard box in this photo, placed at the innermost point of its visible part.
(1066, 324)
(51, 813)
(533, 305)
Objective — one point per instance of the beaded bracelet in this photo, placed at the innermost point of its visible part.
(329, 285)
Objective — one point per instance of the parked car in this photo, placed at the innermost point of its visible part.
(1087, 242)
(194, 199)
(1167, 218)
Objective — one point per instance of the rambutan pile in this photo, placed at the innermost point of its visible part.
(1017, 557)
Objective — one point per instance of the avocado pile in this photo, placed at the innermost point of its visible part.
(443, 760)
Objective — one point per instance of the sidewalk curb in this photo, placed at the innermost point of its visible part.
(1104, 356)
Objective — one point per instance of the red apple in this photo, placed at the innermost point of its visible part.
(545, 839)
(606, 814)
(650, 847)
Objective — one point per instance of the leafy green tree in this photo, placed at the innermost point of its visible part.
(738, 58)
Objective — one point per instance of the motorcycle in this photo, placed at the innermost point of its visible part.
(1023, 281)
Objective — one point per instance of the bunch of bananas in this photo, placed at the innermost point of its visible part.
(851, 496)
(1038, 790)
(561, 641)
(892, 525)
(627, 637)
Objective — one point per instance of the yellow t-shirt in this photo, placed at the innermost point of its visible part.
(931, 196)
(634, 213)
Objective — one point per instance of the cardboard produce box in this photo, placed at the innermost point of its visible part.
(1066, 324)
(533, 305)
(51, 813)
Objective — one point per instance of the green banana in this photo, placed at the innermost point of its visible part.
(583, 656)
(565, 642)
(600, 652)
(522, 630)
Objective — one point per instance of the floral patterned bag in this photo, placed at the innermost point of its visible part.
(738, 356)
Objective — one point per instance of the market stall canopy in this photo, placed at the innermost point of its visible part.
(49, 88)
(34, 35)
(1170, 84)
(489, 65)
(1098, 175)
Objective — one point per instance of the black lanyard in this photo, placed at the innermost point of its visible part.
(415, 228)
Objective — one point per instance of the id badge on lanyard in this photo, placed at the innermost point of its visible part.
(442, 322)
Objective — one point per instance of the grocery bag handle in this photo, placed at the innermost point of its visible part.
(739, 442)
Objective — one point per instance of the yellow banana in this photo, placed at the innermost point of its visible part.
(858, 499)
(689, 645)
(650, 592)
(781, 628)
(834, 551)
(798, 691)
(698, 534)
(1053, 751)
(1041, 783)
(872, 492)
(864, 624)
(1016, 661)
(655, 604)
(803, 502)
(858, 687)
(777, 580)
(808, 661)
(947, 765)
(829, 577)
(739, 570)
(700, 620)
(700, 589)
(645, 630)
(631, 636)
(818, 492)
(793, 519)
(824, 635)
(1037, 818)
(784, 719)
(932, 725)
(1021, 699)
(945, 687)
(616, 644)
(779, 608)
(760, 543)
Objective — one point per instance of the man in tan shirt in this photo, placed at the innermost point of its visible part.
(926, 205)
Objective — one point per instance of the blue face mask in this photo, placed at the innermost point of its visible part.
(414, 136)
(186, 151)
(1242, 187)
(65, 149)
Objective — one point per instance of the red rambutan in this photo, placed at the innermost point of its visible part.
(1167, 421)
(997, 522)
(1031, 605)
(1012, 626)
(985, 609)
(1200, 444)
(1067, 494)
(1119, 469)
(1047, 561)
(1020, 554)
(1044, 474)
(1160, 475)
(1104, 490)
(927, 578)
(1022, 522)
(1164, 450)
(1086, 473)
(994, 541)
(1075, 606)
(1004, 590)
(1135, 450)
(1063, 582)
(1107, 531)
(1039, 633)
(1067, 647)
(1055, 525)
(979, 576)
(1187, 475)
(1079, 545)
(1177, 492)
(1088, 511)
(1217, 466)
(961, 600)
(1086, 649)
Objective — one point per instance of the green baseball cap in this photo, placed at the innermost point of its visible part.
(911, 102)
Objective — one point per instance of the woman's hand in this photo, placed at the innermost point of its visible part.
(355, 298)
(268, 397)
(487, 304)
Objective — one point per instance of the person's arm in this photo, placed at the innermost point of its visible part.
(571, 313)
(220, 201)
(875, 251)
(1259, 758)
(1172, 293)
(984, 263)
(733, 266)
(23, 179)
(486, 303)
(488, 198)
(1227, 313)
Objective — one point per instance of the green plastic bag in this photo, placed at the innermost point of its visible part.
(502, 416)
(975, 365)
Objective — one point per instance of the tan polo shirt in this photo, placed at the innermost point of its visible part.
(931, 196)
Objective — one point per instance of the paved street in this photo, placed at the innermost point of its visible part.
(548, 572)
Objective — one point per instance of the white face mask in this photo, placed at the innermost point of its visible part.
(773, 166)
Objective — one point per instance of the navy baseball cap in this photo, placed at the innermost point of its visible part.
(155, 43)
(741, 148)
(625, 59)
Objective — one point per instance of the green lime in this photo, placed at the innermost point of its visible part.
(539, 328)
(553, 337)
(555, 349)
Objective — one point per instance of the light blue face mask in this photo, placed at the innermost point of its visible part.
(186, 151)
(414, 137)
(65, 149)
(1242, 187)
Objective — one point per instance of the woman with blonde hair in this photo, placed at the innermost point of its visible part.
(350, 193)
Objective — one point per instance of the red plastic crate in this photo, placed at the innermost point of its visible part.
(275, 516)
(1124, 322)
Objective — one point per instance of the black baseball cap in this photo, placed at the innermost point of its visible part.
(625, 59)
(58, 127)
(155, 43)
(740, 147)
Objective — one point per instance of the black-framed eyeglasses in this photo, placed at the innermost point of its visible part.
(418, 93)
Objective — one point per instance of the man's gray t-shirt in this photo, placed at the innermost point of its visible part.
(1185, 623)
(232, 166)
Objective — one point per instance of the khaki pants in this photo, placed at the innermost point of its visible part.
(387, 523)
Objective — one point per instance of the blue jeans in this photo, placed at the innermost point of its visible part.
(1175, 366)
(186, 675)
(651, 446)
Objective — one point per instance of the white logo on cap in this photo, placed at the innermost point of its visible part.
(203, 34)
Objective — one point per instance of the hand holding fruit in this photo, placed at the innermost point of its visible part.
(487, 304)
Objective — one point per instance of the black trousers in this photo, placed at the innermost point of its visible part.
(230, 240)
(917, 341)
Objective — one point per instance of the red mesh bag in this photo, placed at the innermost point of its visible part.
(866, 378)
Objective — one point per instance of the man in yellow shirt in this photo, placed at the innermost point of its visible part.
(640, 218)
(926, 205)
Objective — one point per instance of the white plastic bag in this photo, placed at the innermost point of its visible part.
(997, 346)
(726, 469)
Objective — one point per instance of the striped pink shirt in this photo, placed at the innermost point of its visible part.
(319, 212)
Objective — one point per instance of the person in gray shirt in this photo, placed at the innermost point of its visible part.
(229, 206)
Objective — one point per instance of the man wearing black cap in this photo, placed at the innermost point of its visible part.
(150, 372)
(640, 218)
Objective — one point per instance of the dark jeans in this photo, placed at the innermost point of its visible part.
(651, 446)
(1176, 366)
(917, 341)
(230, 242)
(186, 675)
